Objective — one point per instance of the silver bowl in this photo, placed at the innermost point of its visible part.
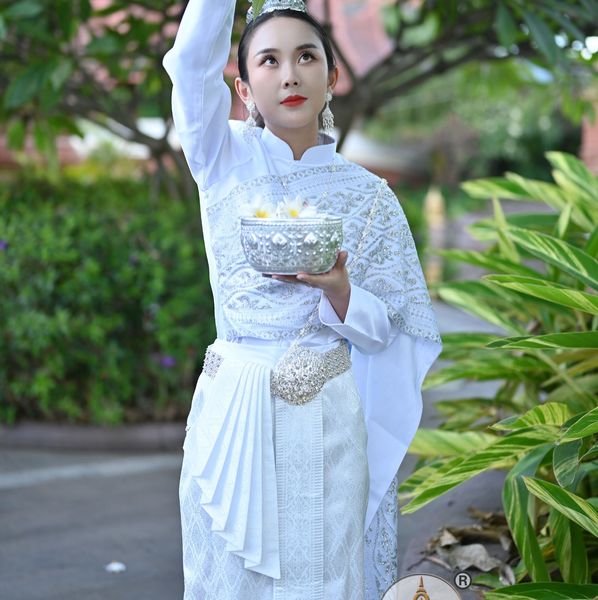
(289, 245)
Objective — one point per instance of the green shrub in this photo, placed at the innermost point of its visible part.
(542, 424)
(105, 308)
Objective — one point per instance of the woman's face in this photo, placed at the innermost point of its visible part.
(286, 58)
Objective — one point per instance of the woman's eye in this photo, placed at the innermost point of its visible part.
(268, 58)
(308, 54)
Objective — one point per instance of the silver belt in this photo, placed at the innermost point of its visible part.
(300, 374)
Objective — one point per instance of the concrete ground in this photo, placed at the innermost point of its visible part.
(65, 515)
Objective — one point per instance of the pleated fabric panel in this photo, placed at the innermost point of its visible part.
(232, 444)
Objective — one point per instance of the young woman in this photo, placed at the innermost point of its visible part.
(282, 495)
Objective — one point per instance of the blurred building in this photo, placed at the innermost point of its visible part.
(589, 142)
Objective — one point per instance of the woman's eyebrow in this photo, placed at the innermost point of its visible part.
(272, 50)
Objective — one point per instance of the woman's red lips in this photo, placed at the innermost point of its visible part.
(294, 100)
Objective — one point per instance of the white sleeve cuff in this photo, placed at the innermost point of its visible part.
(366, 324)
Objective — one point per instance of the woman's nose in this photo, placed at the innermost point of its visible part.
(290, 77)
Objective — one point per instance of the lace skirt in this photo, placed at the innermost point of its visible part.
(321, 484)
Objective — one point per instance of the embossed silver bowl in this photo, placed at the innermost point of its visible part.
(289, 245)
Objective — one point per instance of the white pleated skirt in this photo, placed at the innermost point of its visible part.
(322, 486)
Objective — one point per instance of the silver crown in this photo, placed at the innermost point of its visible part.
(271, 5)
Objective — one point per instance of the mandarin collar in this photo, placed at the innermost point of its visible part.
(323, 153)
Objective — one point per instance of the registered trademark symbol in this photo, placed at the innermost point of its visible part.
(463, 580)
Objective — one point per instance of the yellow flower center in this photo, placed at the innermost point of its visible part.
(293, 212)
(261, 213)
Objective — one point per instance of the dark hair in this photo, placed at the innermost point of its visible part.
(294, 14)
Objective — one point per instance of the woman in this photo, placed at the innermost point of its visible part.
(283, 497)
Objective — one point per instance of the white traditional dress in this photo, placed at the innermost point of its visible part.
(282, 501)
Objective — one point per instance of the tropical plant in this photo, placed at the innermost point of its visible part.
(542, 423)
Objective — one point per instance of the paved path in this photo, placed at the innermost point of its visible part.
(65, 515)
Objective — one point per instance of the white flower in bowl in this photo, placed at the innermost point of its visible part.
(295, 208)
(258, 207)
(291, 208)
(309, 211)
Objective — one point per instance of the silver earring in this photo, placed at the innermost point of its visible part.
(250, 123)
(327, 116)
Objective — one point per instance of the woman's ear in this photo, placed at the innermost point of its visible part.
(333, 78)
(243, 90)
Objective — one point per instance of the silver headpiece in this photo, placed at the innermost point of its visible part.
(271, 5)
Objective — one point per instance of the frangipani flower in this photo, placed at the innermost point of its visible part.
(295, 208)
(258, 207)
(309, 211)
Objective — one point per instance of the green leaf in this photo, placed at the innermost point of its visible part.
(551, 413)
(505, 26)
(493, 366)
(424, 476)
(571, 505)
(487, 261)
(585, 426)
(466, 340)
(552, 195)
(542, 35)
(548, 290)
(575, 170)
(515, 498)
(459, 405)
(585, 339)
(85, 9)
(25, 86)
(61, 71)
(103, 46)
(591, 246)
(554, 590)
(507, 248)
(497, 455)
(585, 400)
(2, 28)
(477, 298)
(569, 548)
(485, 229)
(496, 187)
(565, 462)
(566, 23)
(580, 201)
(257, 7)
(25, 9)
(562, 255)
(15, 134)
(563, 222)
(591, 454)
(434, 443)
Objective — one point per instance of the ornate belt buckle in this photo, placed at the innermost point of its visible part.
(301, 373)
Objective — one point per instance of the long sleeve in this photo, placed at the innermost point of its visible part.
(391, 323)
(201, 99)
(366, 325)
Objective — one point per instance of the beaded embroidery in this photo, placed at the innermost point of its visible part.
(303, 377)
(211, 363)
(253, 306)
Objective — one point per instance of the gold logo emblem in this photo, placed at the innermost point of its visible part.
(421, 587)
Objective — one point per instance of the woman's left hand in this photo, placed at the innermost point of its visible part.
(334, 283)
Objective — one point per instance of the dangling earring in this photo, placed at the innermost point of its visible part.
(250, 123)
(327, 116)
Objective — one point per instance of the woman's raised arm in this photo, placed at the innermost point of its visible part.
(201, 100)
